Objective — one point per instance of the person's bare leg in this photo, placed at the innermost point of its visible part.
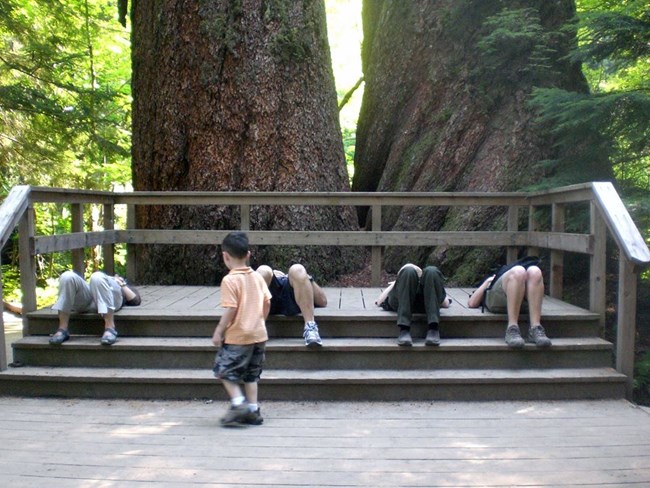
(250, 390)
(64, 319)
(514, 286)
(534, 294)
(266, 272)
(303, 291)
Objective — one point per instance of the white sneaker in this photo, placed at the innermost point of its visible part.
(312, 338)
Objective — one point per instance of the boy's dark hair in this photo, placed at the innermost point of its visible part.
(235, 244)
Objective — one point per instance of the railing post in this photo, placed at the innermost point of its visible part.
(558, 215)
(375, 260)
(245, 217)
(3, 342)
(78, 255)
(131, 249)
(597, 265)
(533, 225)
(626, 327)
(108, 250)
(513, 226)
(27, 263)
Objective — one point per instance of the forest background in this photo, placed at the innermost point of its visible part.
(66, 108)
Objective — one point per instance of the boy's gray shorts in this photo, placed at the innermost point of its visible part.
(240, 363)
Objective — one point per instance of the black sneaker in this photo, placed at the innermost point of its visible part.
(254, 418)
(433, 338)
(537, 336)
(513, 337)
(404, 338)
(236, 416)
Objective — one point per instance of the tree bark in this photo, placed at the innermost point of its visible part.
(438, 115)
(235, 95)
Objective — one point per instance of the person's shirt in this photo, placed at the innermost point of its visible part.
(245, 290)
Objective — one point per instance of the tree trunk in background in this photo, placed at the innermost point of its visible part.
(235, 96)
(439, 115)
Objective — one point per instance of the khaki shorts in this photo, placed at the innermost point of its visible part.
(496, 300)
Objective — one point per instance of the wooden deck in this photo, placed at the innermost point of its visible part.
(203, 301)
(101, 443)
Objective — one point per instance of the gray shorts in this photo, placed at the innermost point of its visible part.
(240, 363)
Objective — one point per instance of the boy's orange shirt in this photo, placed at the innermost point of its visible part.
(245, 290)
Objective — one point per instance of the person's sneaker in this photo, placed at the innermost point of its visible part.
(513, 337)
(254, 418)
(236, 416)
(59, 337)
(404, 338)
(432, 338)
(312, 338)
(537, 336)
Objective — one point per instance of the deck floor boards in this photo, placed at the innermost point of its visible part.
(101, 443)
(203, 300)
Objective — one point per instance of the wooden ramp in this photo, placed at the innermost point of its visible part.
(164, 351)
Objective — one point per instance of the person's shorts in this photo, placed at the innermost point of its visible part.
(283, 301)
(240, 363)
(496, 300)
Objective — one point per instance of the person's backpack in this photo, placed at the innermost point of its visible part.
(525, 262)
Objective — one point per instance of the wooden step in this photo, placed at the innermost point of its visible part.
(44, 322)
(337, 353)
(325, 385)
(164, 351)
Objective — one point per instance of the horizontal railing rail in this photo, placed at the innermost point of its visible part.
(607, 213)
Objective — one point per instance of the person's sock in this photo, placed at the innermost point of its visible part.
(236, 401)
(253, 407)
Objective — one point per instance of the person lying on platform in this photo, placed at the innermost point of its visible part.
(420, 291)
(506, 290)
(104, 295)
(295, 293)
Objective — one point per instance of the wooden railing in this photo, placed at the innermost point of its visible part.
(607, 212)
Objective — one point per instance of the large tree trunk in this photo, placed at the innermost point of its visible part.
(235, 96)
(440, 115)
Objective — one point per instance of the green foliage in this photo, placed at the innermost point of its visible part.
(515, 48)
(614, 119)
(642, 376)
(64, 94)
(64, 112)
(349, 142)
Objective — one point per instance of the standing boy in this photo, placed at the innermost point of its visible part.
(241, 334)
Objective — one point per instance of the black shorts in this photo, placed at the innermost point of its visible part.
(240, 363)
(283, 301)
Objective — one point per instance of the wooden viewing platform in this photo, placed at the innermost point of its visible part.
(164, 350)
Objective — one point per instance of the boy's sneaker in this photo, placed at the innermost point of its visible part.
(513, 337)
(236, 416)
(537, 336)
(312, 338)
(404, 339)
(254, 418)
